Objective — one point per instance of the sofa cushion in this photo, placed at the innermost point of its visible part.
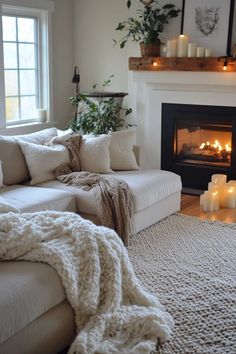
(43, 160)
(31, 199)
(95, 153)
(14, 165)
(39, 137)
(28, 289)
(147, 186)
(121, 149)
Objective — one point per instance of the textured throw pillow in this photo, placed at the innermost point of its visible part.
(64, 132)
(1, 175)
(39, 137)
(95, 153)
(121, 150)
(43, 160)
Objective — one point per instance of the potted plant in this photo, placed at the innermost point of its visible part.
(147, 27)
(99, 112)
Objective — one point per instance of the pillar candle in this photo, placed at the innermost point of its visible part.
(192, 50)
(200, 52)
(171, 48)
(219, 178)
(208, 53)
(229, 197)
(211, 201)
(202, 197)
(41, 114)
(232, 183)
(182, 46)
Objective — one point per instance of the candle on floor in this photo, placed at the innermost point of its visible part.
(202, 196)
(232, 183)
(214, 187)
(182, 46)
(228, 199)
(219, 178)
(211, 201)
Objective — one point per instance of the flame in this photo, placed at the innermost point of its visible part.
(220, 150)
(216, 146)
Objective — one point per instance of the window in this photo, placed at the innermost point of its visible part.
(25, 65)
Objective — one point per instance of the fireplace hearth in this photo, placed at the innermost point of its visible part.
(198, 141)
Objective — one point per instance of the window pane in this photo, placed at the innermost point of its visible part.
(9, 28)
(10, 55)
(12, 109)
(27, 82)
(28, 107)
(11, 83)
(27, 56)
(26, 30)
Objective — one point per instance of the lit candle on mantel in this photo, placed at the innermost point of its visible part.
(182, 46)
(228, 199)
(211, 201)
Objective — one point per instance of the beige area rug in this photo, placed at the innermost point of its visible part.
(191, 266)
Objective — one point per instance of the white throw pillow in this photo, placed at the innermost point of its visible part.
(64, 132)
(121, 150)
(39, 137)
(43, 160)
(95, 153)
(1, 175)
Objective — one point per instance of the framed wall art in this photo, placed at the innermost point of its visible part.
(209, 23)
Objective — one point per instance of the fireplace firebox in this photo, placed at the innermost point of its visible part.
(198, 141)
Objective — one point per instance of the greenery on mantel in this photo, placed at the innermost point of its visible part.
(150, 23)
(98, 114)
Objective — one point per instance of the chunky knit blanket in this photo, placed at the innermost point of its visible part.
(112, 195)
(113, 313)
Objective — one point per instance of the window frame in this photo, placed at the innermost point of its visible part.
(42, 14)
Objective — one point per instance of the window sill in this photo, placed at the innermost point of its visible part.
(26, 128)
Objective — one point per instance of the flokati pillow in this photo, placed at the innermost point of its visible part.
(95, 153)
(43, 160)
(121, 150)
(1, 175)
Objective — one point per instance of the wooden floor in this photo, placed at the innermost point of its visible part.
(190, 206)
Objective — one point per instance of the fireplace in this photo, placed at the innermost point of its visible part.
(198, 141)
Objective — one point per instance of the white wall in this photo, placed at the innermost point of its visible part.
(94, 28)
(63, 61)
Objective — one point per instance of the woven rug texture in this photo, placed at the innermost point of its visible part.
(191, 267)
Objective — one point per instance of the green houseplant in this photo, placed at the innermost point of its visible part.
(99, 112)
(147, 27)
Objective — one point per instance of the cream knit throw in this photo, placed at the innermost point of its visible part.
(113, 313)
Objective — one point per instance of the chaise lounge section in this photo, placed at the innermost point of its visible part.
(35, 315)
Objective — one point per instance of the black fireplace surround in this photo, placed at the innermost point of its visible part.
(198, 141)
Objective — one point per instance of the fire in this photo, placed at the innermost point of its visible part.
(220, 152)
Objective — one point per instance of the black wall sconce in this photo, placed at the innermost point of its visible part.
(76, 80)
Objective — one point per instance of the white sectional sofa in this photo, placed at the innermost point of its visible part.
(34, 311)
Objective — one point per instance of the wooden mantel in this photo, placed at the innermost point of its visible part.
(180, 64)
